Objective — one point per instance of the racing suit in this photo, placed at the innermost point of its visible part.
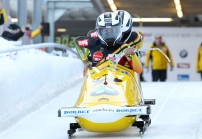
(99, 51)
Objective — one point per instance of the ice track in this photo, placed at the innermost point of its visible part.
(177, 115)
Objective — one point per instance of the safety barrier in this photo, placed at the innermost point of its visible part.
(36, 46)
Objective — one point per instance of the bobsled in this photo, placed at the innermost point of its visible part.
(111, 100)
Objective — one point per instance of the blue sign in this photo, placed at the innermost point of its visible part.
(183, 77)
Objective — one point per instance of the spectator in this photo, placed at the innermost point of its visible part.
(3, 18)
(13, 32)
(159, 62)
(199, 61)
(31, 34)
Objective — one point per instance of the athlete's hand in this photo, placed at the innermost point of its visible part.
(129, 51)
(86, 66)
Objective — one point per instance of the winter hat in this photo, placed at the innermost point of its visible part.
(13, 26)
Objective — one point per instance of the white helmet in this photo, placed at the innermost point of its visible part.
(109, 28)
(127, 24)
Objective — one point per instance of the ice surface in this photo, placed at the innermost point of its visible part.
(176, 115)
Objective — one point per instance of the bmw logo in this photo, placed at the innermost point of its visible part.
(183, 54)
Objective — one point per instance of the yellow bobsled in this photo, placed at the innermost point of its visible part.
(110, 100)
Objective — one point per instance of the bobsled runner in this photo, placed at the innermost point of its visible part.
(111, 100)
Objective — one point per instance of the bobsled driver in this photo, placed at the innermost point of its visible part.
(109, 31)
(132, 38)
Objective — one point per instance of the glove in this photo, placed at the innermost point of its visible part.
(171, 68)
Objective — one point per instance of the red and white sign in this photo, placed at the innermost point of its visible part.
(183, 65)
(94, 34)
(83, 43)
(97, 56)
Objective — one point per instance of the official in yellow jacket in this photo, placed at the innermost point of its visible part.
(159, 62)
(199, 61)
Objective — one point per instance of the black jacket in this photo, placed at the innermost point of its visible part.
(13, 37)
(98, 51)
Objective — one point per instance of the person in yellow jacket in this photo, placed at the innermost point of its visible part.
(31, 34)
(159, 62)
(3, 18)
(199, 61)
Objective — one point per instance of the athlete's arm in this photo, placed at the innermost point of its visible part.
(136, 40)
(81, 43)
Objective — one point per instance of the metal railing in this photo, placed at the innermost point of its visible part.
(36, 46)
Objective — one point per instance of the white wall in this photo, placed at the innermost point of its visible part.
(177, 39)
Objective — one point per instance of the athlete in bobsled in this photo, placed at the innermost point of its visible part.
(134, 39)
(107, 41)
(110, 99)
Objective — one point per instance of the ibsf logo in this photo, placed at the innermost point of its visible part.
(94, 35)
(103, 109)
(83, 43)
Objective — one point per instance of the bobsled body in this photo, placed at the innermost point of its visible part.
(109, 101)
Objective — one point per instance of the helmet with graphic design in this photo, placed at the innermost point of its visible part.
(109, 29)
(127, 24)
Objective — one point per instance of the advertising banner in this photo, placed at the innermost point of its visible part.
(183, 44)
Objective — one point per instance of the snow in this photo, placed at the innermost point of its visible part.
(176, 115)
(31, 81)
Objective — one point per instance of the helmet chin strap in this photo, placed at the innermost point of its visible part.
(110, 42)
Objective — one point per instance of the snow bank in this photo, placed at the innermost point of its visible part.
(32, 80)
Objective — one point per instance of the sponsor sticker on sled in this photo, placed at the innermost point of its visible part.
(76, 111)
(129, 110)
(83, 43)
(103, 110)
(112, 57)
